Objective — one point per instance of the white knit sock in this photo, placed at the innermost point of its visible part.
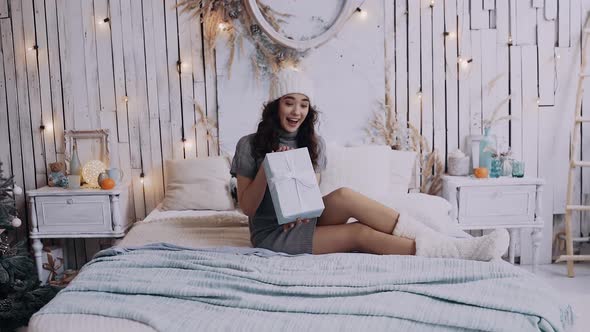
(430, 243)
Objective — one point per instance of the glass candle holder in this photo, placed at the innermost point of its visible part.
(496, 170)
(517, 168)
(507, 167)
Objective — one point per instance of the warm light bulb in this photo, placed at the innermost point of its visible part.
(431, 3)
(34, 47)
(182, 66)
(420, 95)
(126, 99)
(362, 13)
(451, 35)
(141, 177)
(104, 20)
(557, 56)
(186, 143)
(538, 101)
(464, 63)
(48, 126)
(222, 26)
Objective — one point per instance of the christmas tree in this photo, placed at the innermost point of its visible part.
(20, 292)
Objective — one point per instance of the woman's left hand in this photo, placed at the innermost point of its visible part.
(290, 225)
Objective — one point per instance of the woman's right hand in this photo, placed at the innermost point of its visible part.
(283, 148)
(292, 224)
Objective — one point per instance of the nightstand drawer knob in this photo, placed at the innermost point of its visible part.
(70, 201)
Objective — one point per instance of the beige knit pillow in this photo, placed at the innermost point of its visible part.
(198, 184)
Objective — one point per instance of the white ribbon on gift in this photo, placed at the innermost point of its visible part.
(291, 174)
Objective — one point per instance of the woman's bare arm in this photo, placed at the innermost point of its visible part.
(251, 191)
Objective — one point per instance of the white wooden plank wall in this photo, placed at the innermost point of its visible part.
(450, 64)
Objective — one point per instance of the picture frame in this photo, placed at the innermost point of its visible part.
(92, 145)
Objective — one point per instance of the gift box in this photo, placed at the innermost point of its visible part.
(293, 185)
(53, 263)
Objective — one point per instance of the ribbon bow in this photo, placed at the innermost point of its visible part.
(291, 174)
(52, 265)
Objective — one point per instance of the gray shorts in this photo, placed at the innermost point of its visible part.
(297, 240)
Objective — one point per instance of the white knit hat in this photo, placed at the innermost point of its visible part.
(290, 81)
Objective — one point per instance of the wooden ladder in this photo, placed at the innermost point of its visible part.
(575, 136)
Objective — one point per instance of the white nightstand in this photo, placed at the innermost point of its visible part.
(82, 213)
(511, 203)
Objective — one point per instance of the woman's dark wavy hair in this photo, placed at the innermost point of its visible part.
(266, 138)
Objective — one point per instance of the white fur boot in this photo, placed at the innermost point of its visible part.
(430, 243)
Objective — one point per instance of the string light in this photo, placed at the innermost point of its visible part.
(48, 126)
(538, 101)
(126, 99)
(180, 66)
(464, 63)
(34, 47)
(431, 3)
(510, 41)
(104, 20)
(141, 177)
(186, 143)
(362, 13)
(222, 26)
(450, 35)
(557, 56)
(420, 94)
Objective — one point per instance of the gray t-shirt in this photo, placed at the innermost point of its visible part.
(265, 221)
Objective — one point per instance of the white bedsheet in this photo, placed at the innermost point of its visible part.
(177, 227)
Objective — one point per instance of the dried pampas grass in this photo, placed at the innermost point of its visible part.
(385, 128)
(219, 16)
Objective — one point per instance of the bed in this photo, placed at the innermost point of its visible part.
(195, 271)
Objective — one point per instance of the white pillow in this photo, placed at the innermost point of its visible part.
(198, 184)
(402, 168)
(373, 170)
(366, 169)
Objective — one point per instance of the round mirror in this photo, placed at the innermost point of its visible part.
(302, 37)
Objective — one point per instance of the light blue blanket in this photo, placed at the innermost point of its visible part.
(172, 288)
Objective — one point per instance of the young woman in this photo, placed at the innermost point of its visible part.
(288, 122)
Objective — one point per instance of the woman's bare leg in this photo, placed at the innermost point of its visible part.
(359, 237)
(344, 203)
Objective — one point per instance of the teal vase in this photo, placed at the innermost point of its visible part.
(75, 162)
(485, 154)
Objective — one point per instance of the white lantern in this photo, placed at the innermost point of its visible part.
(91, 171)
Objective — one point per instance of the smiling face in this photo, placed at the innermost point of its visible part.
(293, 109)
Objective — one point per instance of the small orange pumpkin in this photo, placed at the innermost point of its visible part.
(107, 184)
(480, 172)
